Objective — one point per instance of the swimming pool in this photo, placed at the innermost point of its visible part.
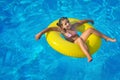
(24, 58)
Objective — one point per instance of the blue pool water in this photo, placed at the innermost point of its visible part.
(24, 58)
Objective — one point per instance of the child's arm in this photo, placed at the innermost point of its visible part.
(85, 21)
(82, 22)
(44, 31)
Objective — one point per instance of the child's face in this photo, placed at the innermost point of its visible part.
(65, 24)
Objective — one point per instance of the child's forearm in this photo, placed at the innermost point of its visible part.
(40, 34)
(44, 31)
(85, 21)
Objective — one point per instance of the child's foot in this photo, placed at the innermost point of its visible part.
(110, 39)
(89, 59)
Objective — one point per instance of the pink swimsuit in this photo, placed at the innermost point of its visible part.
(69, 36)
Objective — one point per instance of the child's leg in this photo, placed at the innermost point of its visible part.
(84, 48)
(88, 32)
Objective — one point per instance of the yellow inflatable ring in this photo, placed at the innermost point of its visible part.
(65, 47)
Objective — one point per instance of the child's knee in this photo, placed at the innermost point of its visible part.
(90, 29)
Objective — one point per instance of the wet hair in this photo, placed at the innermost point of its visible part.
(60, 21)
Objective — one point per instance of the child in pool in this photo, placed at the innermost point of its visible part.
(70, 34)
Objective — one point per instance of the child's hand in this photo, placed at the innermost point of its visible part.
(91, 21)
(37, 36)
